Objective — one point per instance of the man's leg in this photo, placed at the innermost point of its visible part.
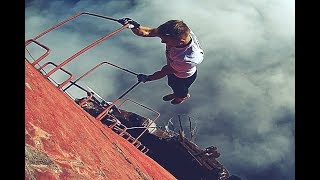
(180, 87)
(171, 83)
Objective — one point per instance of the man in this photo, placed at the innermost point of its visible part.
(183, 53)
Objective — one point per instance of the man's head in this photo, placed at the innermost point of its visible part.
(174, 33)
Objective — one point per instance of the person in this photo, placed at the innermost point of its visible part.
(183, 54)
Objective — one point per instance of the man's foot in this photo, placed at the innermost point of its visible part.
(168, 97)
(180, 100)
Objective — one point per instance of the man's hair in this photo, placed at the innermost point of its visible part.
(174, 28)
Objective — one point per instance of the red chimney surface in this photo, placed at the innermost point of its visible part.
(62, 141)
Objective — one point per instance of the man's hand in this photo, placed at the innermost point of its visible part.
(143, 78)
(133, 24)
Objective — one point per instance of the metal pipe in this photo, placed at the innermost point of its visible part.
(86, 48)
(105, 112)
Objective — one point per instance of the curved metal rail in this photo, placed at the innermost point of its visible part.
(82, 50)
(122, 131)
(148, 126)
(95, 67)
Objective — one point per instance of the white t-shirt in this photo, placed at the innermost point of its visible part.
(185, 59)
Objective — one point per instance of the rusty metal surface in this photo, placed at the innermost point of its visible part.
(62, 141)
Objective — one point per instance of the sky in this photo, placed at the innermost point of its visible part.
(243, 100)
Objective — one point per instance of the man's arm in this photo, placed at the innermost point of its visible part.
(138, 29)
(145, 31)
(165, 70)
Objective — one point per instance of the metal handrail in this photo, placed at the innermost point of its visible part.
(148, 126)
(41, 45)
(95, 67)
(66, 81)
(105, 112)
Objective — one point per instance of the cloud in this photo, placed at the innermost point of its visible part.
(243, 98)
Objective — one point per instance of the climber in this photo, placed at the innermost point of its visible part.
(183, 54)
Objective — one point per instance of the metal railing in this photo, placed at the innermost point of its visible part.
(116, 127)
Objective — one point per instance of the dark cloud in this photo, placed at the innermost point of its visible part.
(244, 97)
